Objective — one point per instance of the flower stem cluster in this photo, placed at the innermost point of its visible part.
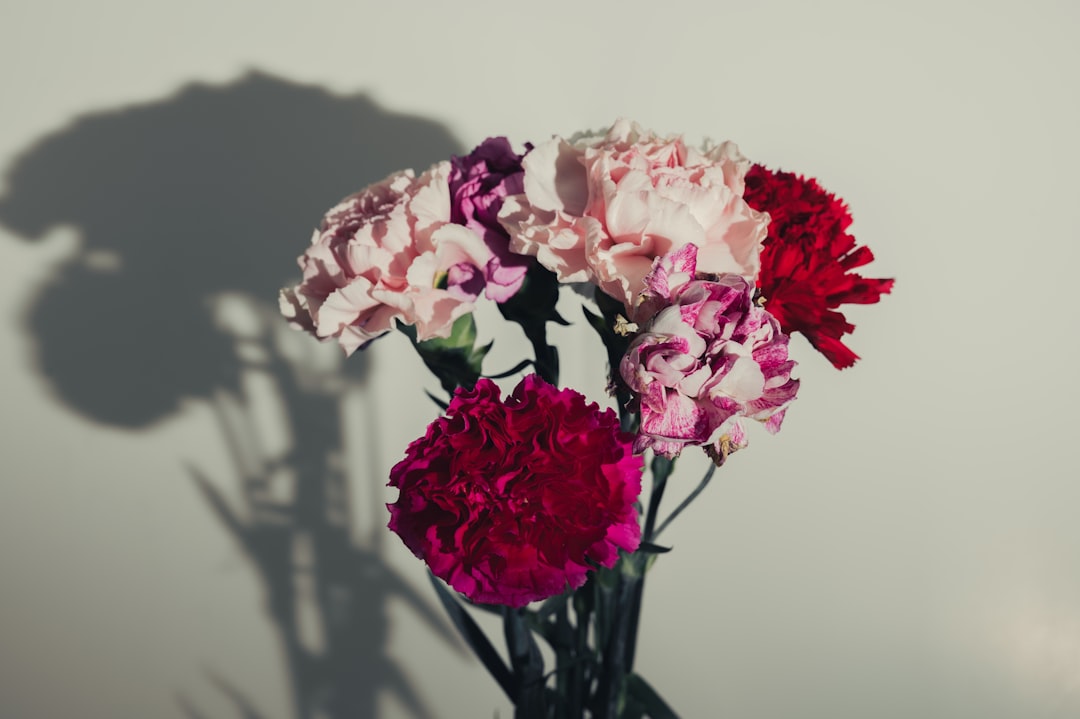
(532, 505)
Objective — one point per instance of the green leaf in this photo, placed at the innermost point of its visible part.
(474, 636)
(532, 307)
(650, 548)
(686, 502)
(513, 370)
(496, 609)
(476, 357)
(442, 405)
(641, 693)
(596, 322)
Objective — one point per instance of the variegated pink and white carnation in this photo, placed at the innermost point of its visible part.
(386, 253)
(600, 209)
(707, 356)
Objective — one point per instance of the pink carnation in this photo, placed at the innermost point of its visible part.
(389, 252)
(601, 209)
(513, 501)
(708, 356)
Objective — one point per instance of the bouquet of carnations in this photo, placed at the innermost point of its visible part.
(694, 267)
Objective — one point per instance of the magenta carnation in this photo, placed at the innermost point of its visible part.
(479, 182)
(707, 356)
(513, 501)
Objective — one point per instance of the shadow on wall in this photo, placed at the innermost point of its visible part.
(190, 209)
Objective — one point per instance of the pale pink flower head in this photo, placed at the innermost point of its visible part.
(707, 357)
(600, 209)
(389, 252)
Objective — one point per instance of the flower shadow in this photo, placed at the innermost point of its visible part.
(189, 210)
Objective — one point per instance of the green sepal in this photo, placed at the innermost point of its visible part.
(608, 579)
(650, 548)
(632, 566)
(455, 360)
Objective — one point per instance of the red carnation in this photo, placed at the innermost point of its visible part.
(513, 501)
(807, 258)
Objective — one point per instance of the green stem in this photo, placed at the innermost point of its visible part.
(527, 665)
(620, 643)
(661, 470)
(546, 363)
(686, 502)
(611, 689)
(565, 658)
(583, 671)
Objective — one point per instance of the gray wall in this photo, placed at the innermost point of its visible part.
(905, 547)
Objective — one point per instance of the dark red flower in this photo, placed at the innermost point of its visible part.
(807, 260)
(513, 501)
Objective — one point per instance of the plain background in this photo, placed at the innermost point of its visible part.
(906, 546)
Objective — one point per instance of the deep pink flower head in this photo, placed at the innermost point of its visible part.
(512, 501)
(479, 182)
(389, 252)
(808, 258)
(707, 356)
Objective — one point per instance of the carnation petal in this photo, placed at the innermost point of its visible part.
(555, 178)
(601, 208)
(708, 354)
(807, 258)
(345, 306)
(294, 309)
(669, 414)
(510, 501)
(375, 259)
(744, 380)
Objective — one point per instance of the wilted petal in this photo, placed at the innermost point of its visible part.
(709, 355)
(668, 414)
